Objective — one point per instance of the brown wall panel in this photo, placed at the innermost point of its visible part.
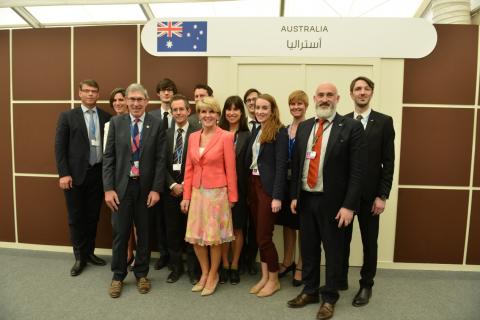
(448, 74)
(45, 222)
(436, 146)
(7, 223)
(107, 55)
(476, 168)
(473, 252)
(41, 64)
(431, 226)
(41, 211)
(34, 134)
(186, 72)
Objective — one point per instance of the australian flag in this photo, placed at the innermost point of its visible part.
(186, 36)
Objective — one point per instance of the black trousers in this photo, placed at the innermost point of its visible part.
(132, 209)
(83, 204)
(369, 226)
(175, 225)
(160, 228)
(318, 226)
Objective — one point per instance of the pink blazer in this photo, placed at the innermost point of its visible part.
(215, 168)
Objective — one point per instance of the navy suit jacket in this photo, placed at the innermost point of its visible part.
(344, 163)
(272, 163)
(72, 146)
(170, 143)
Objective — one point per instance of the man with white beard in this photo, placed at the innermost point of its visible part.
(328, 161)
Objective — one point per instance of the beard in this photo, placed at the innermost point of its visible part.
(323, 113)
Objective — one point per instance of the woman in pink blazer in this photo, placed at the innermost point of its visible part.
(210, 190)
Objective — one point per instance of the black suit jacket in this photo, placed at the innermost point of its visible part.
(118, 155)
(158, 113)
(379, 136)
(241, 144)
(344, 163)
(272, 163)
(170, 144)
(72, 146)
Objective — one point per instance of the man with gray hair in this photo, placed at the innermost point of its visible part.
(133, 177)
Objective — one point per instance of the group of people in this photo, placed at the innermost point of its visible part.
(214, 183)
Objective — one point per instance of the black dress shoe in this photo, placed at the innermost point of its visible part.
(192, 276)
(161, 263)
(302, 300)
(234, 276)
(174, 275)
(362, 297)
(93, 259)
(77, 268)
(291, 268)
(224, 273)
(252, 268)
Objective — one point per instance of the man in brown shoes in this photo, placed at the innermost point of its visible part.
(143, 285)
(115, 289)
(325, 311)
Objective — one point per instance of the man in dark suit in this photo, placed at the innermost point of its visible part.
(165, 89)
(327, 166)
(248, 258)
(133, 177)
(380, 136)
(175, 220)
(78, 153)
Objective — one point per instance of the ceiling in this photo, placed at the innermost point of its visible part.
(46, 13)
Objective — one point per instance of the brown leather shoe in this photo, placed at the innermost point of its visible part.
(325, 311)
(302, 300)
(115, 289)
(143, 285)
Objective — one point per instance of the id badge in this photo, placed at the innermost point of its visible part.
(311, 155)
(255, 172)
(95, 142)
(177, 167)
(136, 164)
(289, 173)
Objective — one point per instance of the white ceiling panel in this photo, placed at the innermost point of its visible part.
(241, 8)
(8, 17)
(87, 13)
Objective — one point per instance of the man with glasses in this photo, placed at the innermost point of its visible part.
(133, 177)
(78, 153)
(166, 88)
(249, 98)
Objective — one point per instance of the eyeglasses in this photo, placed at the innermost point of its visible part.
(133, 100)
(167, 89)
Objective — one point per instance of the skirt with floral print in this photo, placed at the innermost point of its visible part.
(209, 217)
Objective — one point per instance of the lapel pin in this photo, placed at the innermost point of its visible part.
(148, 126)
(340, 124)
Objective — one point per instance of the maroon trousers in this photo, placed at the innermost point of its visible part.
(264, 220)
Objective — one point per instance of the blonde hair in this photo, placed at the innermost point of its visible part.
(208, 103)
(298, 96)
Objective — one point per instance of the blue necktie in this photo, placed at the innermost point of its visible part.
(92, 137)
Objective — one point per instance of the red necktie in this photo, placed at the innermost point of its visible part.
(315, 162)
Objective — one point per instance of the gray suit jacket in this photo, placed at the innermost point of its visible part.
(118, 156)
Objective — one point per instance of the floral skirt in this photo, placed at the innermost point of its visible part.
(209, 217)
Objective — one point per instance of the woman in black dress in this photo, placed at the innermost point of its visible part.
(234, 119)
